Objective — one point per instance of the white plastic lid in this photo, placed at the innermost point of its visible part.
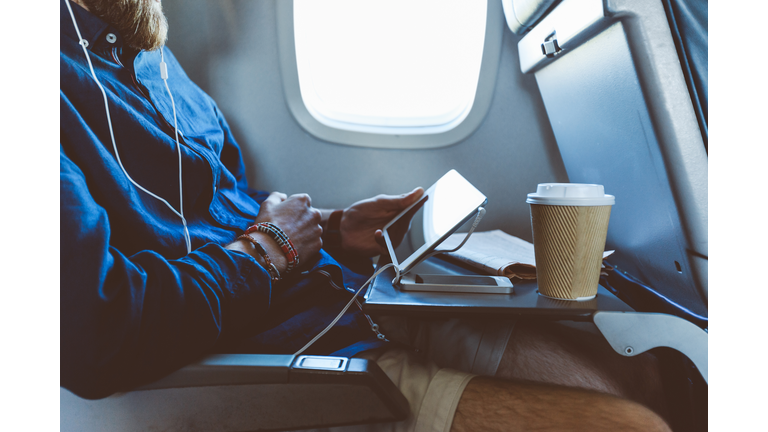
(570, 194)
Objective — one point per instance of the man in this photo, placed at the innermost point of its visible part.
(167, 254)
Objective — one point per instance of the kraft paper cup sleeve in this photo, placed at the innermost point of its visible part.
(568, 243)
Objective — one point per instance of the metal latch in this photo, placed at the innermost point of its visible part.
(550, 47)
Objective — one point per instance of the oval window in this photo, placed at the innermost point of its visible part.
(389, 67)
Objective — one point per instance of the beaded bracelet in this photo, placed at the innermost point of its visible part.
(282, 240)
(291, 255)
(271, 268)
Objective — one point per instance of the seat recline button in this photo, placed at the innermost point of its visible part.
(327, 363)
(317, 363)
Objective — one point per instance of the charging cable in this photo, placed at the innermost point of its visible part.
(480, 214)
(374, 327)
(398, 276)
(164, 75)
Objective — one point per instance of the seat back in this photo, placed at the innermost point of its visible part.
(621, 112)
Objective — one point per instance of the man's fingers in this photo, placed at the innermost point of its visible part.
(275, 198)
(400, 202)
(412, 196)
(304, 198)
(417, 193)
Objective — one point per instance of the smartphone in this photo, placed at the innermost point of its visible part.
(457, 283)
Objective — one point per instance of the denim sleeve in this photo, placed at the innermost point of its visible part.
(128, 320)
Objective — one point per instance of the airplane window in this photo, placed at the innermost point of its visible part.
(397, 67)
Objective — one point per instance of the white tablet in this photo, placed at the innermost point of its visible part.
(443, 209)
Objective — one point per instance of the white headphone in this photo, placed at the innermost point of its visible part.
(164, 76)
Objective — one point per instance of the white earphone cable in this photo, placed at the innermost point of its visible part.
(112, 134)
(164, 76)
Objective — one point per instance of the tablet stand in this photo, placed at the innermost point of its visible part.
(480, 214)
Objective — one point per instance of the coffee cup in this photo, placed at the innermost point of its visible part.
(570, 224)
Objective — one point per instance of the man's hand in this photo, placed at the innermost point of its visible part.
(297, 218)
(361, 223)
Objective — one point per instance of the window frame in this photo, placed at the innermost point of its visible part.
(489, 65)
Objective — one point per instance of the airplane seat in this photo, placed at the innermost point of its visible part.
(628, 111)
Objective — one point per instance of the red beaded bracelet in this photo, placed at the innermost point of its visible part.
(291, 255)
(271, 268)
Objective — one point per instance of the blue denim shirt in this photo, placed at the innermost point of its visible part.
(134, 304)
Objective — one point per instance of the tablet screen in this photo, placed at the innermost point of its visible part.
(443, 209)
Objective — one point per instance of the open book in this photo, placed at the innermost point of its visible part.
(496, 253)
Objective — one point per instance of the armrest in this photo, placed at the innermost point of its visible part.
(632, 333)
(228, 369)
(247, 392)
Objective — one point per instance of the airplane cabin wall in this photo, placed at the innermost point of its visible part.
(230, 49)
